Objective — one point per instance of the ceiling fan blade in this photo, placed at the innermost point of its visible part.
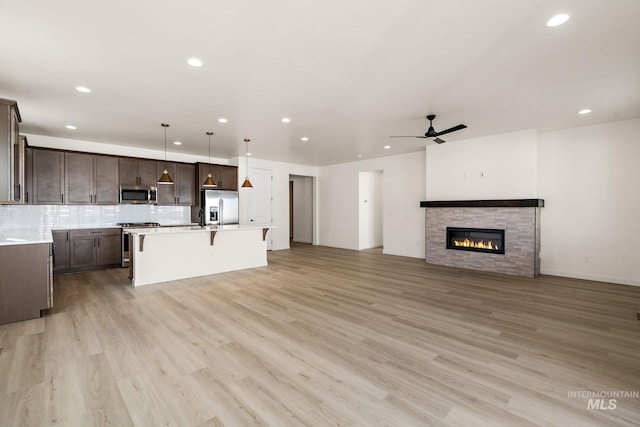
(438, 140)
(453, 129)
(406, 136)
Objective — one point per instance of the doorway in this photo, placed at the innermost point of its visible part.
(370, 224)
(301, 218)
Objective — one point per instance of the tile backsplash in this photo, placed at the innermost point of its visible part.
(70, 216)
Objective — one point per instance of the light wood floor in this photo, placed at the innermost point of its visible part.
(324, 337)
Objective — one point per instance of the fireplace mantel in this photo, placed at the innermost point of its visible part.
(501, 203)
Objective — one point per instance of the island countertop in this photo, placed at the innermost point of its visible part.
(196, 229)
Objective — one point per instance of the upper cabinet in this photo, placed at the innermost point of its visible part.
(48, 177)
(91, 179)
(183, 190)
(28, 174)
(226, 177)
(11, 179)
(138, 172)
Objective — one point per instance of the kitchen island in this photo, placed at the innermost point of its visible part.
(174, 253)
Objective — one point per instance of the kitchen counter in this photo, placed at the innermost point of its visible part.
(162, 254)
(34, 235)
(25, 236)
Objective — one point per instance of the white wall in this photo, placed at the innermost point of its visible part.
(280, 194)
(370, 207)
(590, 180)
(495, 167)
(302, 209)
(402, 190)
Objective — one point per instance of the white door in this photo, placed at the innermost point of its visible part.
(370, 230)
(260, 200)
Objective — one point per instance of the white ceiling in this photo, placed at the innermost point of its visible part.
(348, 73)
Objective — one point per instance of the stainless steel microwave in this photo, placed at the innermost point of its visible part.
(134, 194)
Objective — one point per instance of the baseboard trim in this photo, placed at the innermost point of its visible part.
(596, 278)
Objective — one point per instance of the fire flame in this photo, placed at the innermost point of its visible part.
(479, 244)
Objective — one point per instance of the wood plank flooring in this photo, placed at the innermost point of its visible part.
(324, 337)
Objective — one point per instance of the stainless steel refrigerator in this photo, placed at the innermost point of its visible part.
(220, 207)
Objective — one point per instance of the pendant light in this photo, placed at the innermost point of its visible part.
(165, 178)
(247, 183)
(209, 182)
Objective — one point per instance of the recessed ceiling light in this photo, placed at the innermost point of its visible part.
(285, 120)
(83, 89)
(359, 156)
(585, 111)
(222, 120)
(386, 147)
(72, 127)
(247, 154)
(194, 62)
(558, 19)
(304, 138)
(177, 142)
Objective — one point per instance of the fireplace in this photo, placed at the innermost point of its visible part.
(518, 218)
(475, 239)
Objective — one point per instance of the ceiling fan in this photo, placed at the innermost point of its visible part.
(431, 133)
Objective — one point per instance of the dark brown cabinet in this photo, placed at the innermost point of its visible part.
(48, 177)
(28, 175)
(137, 172)
(94, 248)
(60, 250)
(10, 170)
(183, 189)
(226, 177)
(91, 179)
(26, 282)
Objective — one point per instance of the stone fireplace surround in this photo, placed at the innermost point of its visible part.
(520, 218)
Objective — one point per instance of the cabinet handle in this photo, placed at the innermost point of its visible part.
(62, 198)
(67, 233)
(26, 197)
(98, 240)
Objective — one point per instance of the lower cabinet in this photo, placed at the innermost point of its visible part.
(60, 250)
(26, 282)
(86, 249)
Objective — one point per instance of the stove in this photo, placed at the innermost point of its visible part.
(125, 237)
